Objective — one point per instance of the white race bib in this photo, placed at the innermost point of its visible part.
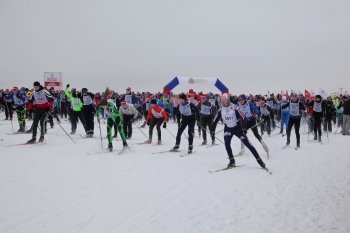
(185, 110)
(128, 98)
(246, 109)
(87, 99)
(294, 109)
(156, 114)
(318, 106)
(40, 97)
(229, 116)
(264, 110)
(205, 110)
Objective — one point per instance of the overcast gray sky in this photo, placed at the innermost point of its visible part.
(251, 46)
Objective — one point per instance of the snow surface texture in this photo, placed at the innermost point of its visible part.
(58, 187)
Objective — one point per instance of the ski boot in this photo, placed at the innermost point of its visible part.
(149, 141)
(29, 130)
(159, 142)
(175, 148)
(298, 144)
(315, 137)
(190, 148)
(232, 163)
(73, 132)
(281, 132)
(115, 135)
(41, 139)
(260, 162)
(125, 145)
(21, 129)
(128, 137)
(319, 139)
(91, 133)
(213, 142)
(110, 147)
(204, 142)
(31, 141)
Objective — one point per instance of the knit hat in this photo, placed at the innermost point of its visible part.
(318, 96)
(123, 102)
(36, 84)
(84, 90)
(182, 96)
(242, 96)
(153, 101)
(191, 91)
(224, 96)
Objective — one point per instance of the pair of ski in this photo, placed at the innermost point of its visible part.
(287, 146)
(315, 141)
(207, 146)
(26, 143)
(172, 151)
(110, 151)
(228, 168)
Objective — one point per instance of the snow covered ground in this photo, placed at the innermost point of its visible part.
(65, 187)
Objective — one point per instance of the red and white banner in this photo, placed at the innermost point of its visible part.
(53, 79)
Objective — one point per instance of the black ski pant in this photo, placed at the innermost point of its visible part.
(237, 131)
(88, 112)
(39, 115)
(175, 114)
(266, 121)
(184, 123)
(63, 110)
(291, 123)
(317, 125)
(8, 109)
(327, 124)
(127, 124)
(74, 115)
(207, 121)
(155, 122)
(250, 124)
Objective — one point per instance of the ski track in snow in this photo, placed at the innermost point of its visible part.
(58, 187)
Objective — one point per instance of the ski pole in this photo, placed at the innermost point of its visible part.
(308, 125)
(10, 116)
(219, 131)
(140, 129)
(170, 132)
(65, 131)
(210, 134)
(99, 126)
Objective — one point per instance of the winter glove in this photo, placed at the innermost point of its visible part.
(98, 119)
(244, 131)
(68, 85)
(178, 124)
(164, 125)
(47, 109)
(148, 122)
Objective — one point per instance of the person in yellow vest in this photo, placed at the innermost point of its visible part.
(76, 106)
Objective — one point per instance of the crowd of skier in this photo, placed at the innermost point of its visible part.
(238, 113)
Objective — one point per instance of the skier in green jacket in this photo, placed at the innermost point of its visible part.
(113, 116)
